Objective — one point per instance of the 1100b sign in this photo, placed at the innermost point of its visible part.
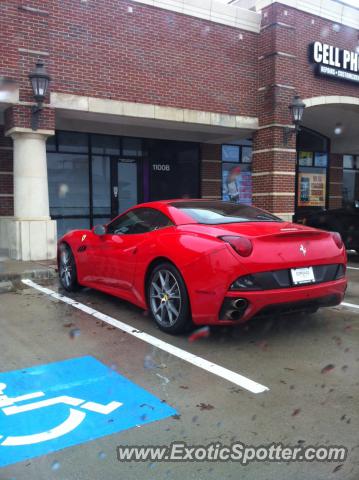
(161, 167)
(335, 62)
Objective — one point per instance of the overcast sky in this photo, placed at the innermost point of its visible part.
(355, 3)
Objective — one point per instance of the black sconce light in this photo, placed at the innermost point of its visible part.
(40, 80)
(296, 109)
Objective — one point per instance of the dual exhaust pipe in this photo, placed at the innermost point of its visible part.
(239, 305)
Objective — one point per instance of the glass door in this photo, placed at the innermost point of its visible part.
(124, 185)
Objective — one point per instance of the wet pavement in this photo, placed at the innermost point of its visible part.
(310, 363)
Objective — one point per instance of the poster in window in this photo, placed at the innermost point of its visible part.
(320, 159)
(231, 153)
(246, 154)
(311, 189)
(305, 159)
(348, 161)
(237, 183)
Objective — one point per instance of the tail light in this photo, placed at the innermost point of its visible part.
(243, 246)
(337, 239)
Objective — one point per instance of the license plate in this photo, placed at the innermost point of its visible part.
(302, 275)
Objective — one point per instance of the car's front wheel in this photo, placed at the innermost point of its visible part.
(67, 269)
(168, 299)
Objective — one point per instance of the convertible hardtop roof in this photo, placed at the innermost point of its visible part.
(183, 202)
(187, 211)
(173, 207)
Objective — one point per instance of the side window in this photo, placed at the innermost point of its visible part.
(141, 220)
(122, 225)
(158, 220)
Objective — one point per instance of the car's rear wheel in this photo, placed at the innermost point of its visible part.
(67, 269)
(168, 299)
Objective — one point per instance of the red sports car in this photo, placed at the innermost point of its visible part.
(206, 262)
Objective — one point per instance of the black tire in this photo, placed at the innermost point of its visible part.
(67, 269)
(168, 300)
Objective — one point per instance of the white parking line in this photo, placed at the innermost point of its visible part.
(353, 268)
(222, 372)
(350, 305)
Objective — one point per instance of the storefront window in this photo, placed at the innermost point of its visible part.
(312, 165)
(131, 147)
(101, 193)
(348, 161)
(320, 159)
(309, 140)
(311, 187)
(231, 153)
(237, 174)
(68, 190)
(51, 144)
(72, 142)
(105, 145)
(65, 225)
(246, 154)
(173, 170)
(93, 178)
(350, 179)
(305, 159)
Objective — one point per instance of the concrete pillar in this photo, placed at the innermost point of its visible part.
(30, 234)
(31, 195)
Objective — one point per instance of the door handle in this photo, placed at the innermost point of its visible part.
(115, 192)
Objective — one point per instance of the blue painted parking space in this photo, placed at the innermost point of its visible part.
(50, 407)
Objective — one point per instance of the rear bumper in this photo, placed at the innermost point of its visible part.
(283, 300)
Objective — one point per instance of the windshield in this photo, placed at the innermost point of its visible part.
(216, 213)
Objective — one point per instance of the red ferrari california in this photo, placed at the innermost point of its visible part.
(206, 262)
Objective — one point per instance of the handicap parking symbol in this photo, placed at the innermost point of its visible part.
(50, 407)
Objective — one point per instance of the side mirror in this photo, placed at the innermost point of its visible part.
(99, 230)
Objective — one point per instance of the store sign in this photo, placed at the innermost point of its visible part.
(335, 62)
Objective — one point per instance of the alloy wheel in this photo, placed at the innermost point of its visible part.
(66, 268)
(165, 298)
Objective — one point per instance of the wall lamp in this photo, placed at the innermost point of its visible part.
(296, 109)
(39, 80)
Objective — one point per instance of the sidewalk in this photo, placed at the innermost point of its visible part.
(12, 271)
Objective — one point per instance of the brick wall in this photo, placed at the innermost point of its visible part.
(106, 49)
(20, 116)
(102, 49)
(301, 30)
(335, 181)
(283, 70)
(211, 171)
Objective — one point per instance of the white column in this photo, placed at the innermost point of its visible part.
(30, 234)
(31, 194)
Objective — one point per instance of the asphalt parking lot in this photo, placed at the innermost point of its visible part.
(309, 363)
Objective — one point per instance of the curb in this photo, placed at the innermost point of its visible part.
(10, 282)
